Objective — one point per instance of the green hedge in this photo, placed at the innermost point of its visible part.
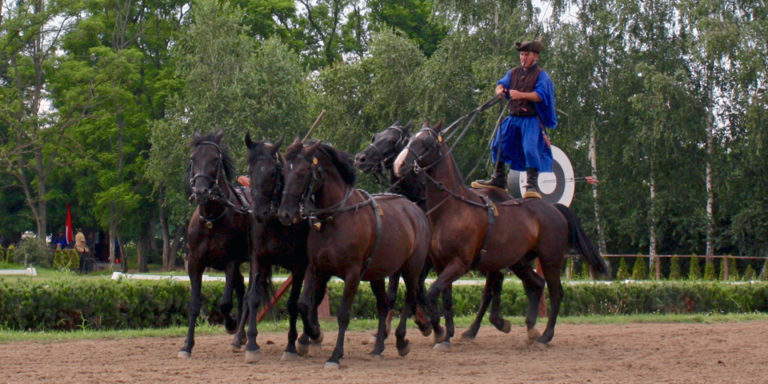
(106, 304)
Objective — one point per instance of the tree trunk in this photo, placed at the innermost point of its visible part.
(593, 161)
(143, 247)
(652, 219)
(708, 176)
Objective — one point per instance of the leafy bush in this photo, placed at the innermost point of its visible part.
(31, 252)
(623, 271)
(69, 304)
(674, 269)
(749, 273)
(694, 270)
(639, 269)
(709, 270)
(66, 259)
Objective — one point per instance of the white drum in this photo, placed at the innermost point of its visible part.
(556, 186)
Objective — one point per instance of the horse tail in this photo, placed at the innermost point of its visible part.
(578, 239)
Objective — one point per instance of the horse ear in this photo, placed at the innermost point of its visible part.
(310, 151)
(426, 124)
(408, 126)
(276, 146)
(248, 141)
(296, 141)
(219, 135)
(439, 126)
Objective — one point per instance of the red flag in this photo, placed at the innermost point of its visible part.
(590, 180)
(68, 231)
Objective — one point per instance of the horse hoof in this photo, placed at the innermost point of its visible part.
(440, 335)
(443, 346)
(533, 334)
(540, 345)
(231, 326)
(302, 349)
(468, 335)
(252, 356)
(330, 365)
(507, 327)
(376, 356)
(318, 340)
(405, 350)
(288, 356)
(183, 355)
(236, 348)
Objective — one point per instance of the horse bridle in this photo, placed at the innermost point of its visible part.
(398, 144)
(277, 175)
(214, 193)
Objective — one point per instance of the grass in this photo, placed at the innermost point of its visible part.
(363, 325)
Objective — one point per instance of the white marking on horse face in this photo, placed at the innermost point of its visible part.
(399, 161)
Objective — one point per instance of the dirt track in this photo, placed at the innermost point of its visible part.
(632, 353)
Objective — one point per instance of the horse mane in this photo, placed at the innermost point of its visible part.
(226, 159)
(342, 161)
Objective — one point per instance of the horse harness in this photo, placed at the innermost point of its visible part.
(490, 206)
(215, 193)
(315, 215)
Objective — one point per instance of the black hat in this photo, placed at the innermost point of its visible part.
(529, 46)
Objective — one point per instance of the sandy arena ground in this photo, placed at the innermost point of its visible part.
(631, 353)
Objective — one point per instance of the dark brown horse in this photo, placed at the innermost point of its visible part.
(378, 158)
(273, 243)
(355, 237)
(469, 233)
(218, 231)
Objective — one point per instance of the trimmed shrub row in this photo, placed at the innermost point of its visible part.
(106, 304)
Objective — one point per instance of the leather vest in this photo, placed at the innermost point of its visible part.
(523, 81)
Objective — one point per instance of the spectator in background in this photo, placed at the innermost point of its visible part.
(60, 241)
(82, 249)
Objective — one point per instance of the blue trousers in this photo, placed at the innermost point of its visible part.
(522, 144)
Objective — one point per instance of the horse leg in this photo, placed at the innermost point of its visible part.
(195, 282)
(496, 319)
(239, 287)
(225, 305)
(421, 321)
(448, 313)
(382, 309)
(350, 288)
(534, 288)
(413, 287)
(308, 310)
(552, 275)
(444, 280)
(394, 280)
(471, 332)
(255, 296)
(293, 313)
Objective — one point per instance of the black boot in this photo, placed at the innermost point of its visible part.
(498, 180)
(532, 186)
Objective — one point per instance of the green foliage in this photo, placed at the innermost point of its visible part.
(69, 304)
(639, 269)
(694, 269)
(764, 271)
(749, 273)
(31, 252)
(66, 259)
(709, 270)
(584, 271)
(674, 269)
(623, 272)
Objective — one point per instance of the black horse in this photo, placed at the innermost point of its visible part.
(273, 243)
(218, 231)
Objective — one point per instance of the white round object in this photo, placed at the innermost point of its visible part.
(556, 186)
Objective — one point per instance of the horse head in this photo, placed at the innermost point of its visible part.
(423, 150)
(313, 173)
(210, 167)
(265, 172)
(384, 146)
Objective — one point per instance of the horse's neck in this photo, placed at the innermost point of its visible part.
(449, 175)
(332, 191)
(410, 186)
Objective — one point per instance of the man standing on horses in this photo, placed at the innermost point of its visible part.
(522, 139)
